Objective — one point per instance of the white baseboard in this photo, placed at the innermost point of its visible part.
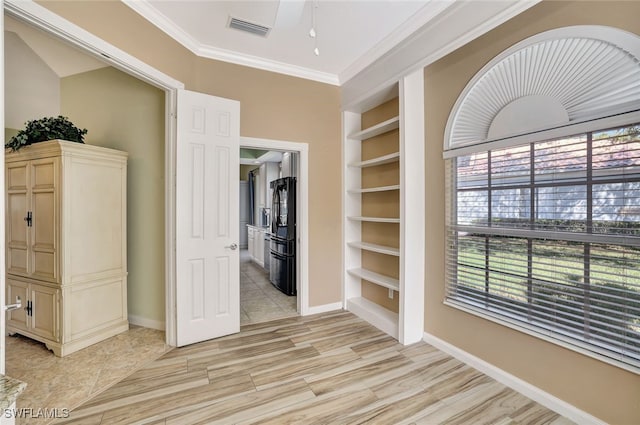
(534, 393)
(316, 309)
(376, 315)
(146, 323)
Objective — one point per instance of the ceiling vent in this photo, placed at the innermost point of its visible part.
(250, 27)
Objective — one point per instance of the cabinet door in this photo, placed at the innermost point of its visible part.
(17, 319)
(250, 243)
(44, 315)
(17, 232)
(45, 216)
(259, 247)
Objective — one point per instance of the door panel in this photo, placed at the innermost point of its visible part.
(44, 301)
(17, 318)
(43, 231)
(43, 235)
(207, 215)
(16, 227)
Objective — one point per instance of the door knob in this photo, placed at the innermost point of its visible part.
(11, 307)
(233, 246)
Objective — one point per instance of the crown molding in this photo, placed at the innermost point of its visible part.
(148, 12)
(427, 13)
(144, 9)
(267, 65)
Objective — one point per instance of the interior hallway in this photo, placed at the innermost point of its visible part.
(260, 301)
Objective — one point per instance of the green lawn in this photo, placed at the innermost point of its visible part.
(557, 277)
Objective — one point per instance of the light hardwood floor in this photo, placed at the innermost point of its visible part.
(331, 368)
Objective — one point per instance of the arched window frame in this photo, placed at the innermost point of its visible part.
(467, 111)
(464, 137)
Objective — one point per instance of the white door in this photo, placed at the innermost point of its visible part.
(207, 214)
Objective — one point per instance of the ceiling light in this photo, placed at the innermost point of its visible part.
(312, 32)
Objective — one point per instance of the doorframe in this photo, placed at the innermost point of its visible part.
(302, 209)
(42, 18)
(32, 13)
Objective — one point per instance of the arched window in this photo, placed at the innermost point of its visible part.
(543, 220)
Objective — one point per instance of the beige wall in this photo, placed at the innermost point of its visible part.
(124, 113)
(605, 391)
(244, 171)
(273, 106)
(32, 89)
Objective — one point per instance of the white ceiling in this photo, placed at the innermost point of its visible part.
(351, 34)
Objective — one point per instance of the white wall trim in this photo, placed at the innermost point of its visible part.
(3, 276)
(146, 323)
(324, 308)
(428, 12)
(216, 53)
(534, 393)
(376, 315)
(412, 208)
(303, 208)
(165, 25)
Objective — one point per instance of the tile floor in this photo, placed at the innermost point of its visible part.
(67, 382)
(260, 301)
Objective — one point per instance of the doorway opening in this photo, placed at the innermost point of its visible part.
(268, 237)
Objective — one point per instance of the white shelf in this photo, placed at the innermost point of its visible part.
(380, 317)
(381, 249)
(378, 129)
(376, 219)
(385, 159)
(377, 278)
(375, 189)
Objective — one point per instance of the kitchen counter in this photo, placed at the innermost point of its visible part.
(10, 389)
(256, 238)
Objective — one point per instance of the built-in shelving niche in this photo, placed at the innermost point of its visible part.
(376, 163)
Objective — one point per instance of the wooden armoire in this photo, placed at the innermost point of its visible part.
(66, 239)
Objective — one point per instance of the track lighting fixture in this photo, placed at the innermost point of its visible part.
(313, 32)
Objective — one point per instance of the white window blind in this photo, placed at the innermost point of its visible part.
(546, 235)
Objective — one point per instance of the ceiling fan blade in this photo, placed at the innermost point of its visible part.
(289, 13)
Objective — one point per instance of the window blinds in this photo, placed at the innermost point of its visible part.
(547, 235)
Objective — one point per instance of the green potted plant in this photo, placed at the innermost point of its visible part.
(48, 128)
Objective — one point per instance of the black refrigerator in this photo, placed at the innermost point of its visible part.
(282, 268)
